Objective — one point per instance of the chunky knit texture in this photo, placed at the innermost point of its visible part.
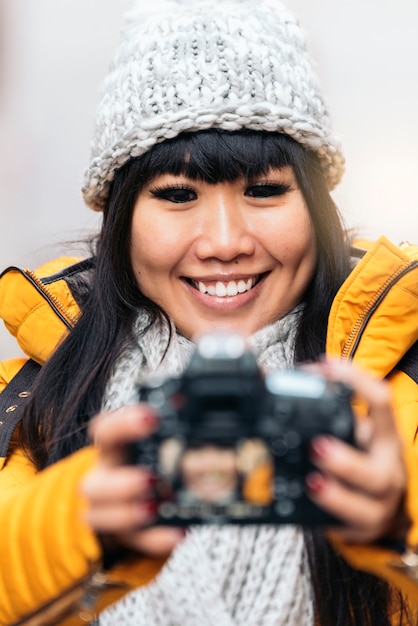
(190, 66)
(229, 576)
(218, 576)
(161, 349)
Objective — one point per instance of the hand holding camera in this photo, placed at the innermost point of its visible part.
(361, 487)
(233, 445)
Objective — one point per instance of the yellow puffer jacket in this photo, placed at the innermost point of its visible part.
(48, 552)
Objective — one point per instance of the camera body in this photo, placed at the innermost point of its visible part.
(232, 446)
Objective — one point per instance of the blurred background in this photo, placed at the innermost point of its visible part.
(54, 56)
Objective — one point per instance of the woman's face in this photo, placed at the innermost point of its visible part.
(226, 256)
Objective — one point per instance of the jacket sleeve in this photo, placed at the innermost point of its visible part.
(8, 369)
(398, 568)
(405, 394)
(46, 547)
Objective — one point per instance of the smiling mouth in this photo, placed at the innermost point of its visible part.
(223, 289)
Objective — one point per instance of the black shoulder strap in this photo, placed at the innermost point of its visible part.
(12, 402)
(409, 363)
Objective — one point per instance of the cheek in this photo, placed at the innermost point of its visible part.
(146, 256)
(297, 241)
(305, 249)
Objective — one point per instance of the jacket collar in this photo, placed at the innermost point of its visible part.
(374, 317)
(40, 308)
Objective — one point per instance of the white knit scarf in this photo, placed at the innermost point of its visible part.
(217, 576)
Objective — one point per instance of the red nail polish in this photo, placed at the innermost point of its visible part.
(315, 482)
(149, 418)
(320, 447)
(151, 480)
(150, 507)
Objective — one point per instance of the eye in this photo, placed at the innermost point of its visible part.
(173, 193)
(266, 190)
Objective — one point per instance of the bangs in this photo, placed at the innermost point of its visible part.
(216, 156)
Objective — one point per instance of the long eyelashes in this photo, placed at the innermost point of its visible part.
(175, 193)
(181, 193)
(267, 189)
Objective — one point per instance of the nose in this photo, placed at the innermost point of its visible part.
(225, 232)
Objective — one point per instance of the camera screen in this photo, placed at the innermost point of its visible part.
(222, 478)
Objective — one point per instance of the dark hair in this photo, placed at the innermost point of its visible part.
(70, 388)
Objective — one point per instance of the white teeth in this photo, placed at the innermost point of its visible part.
(231, 288)
(220, 289)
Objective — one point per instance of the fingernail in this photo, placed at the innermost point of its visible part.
(150, 507)
(320, 447)
(315, 482)
(149, 418)
(179, 534)
(150, 480)
(332, 365)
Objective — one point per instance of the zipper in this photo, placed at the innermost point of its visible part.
(353, 339)
(79, 602)
(66, 317)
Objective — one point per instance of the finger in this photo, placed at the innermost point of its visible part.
(374, 472)
(125, 424)
(375, 392)
(356, 510)
(364, 430)
(121, 483)
(121, 517)
(111, 432)
(157, 541)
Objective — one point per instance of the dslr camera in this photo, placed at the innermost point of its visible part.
(232, 446)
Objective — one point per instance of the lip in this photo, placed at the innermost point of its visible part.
(224, 303)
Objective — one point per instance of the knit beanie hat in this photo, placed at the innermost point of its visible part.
(191, 65)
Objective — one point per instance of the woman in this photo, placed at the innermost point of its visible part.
(212, 163)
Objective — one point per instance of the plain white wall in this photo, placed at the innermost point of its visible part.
(54, 56)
